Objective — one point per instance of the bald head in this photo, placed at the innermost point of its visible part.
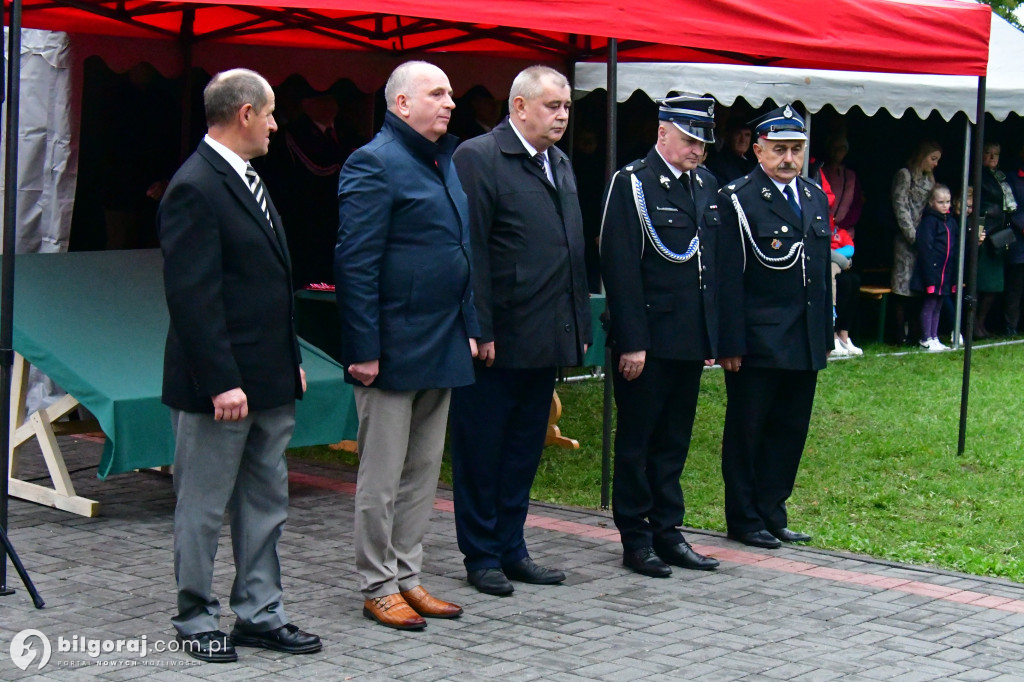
(419, 93)
(229, 91)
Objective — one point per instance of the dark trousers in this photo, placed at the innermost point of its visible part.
(652, 437)
(847, 299)
(766, 423)
(1014, 290)
(497, 428)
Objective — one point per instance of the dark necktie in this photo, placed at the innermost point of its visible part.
(256, 187)
(687, 181)
(791, 198)
(541, 160)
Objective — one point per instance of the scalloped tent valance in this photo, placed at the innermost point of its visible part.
(872, 92)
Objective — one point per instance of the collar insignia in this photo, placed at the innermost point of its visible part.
(665, 182)
(776, 244)
(766, 193)
(699, 181)
(807, 193)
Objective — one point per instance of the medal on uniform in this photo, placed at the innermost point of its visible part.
(766, 193)
(776, 244)
(665, 182)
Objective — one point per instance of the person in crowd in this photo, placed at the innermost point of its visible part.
(997, 205)
(533, 304)
(1014, 277)
(735, 159)
(304, 162)
(936, 271)
(658, 247)
(231, 374)
(845, 291)
(775, 327)
(910, 188)
(482, 115)
(408, 327)
(849, 201)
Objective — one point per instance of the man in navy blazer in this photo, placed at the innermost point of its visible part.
(408, 330)
(530, 284)
(231, 374)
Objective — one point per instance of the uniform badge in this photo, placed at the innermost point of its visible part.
(766, 193)
(807, 193)
(787, 112)
(699, 181)
(629, 168)
(713, 207)
(732, 186)
(776, 244)
(711, 109)
(665, 182)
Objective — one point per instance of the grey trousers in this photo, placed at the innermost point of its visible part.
(401, 439)
(239, 467)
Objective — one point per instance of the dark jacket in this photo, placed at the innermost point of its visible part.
(937, 240)
(229, 294)
(528, 255)
(775, 318)
(402, 263)
(666, 308)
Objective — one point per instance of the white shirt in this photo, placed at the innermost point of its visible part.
(233, 159)
(532, 151)
(782, 187)
(675, 171)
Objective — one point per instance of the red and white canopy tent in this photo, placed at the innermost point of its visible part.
(911, 36)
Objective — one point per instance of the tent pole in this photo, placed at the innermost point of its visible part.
(972, 258)
(958, 323)
(186, 36)
(610, 167)
(807, 152)
(7, 295)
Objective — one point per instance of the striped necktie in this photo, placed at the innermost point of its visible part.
(256, 187)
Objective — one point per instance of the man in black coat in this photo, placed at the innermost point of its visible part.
(658, 242)
(408, 332)
(531, 294)
(231, 374)
(776, 327)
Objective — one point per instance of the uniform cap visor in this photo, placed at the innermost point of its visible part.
(700, 134)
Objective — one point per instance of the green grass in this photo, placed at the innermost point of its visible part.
(880, 473)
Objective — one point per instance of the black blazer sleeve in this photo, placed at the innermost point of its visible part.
(481, 191)
(729, 256)
(621, 252)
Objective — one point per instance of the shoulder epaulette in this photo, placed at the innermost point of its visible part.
(635, 166)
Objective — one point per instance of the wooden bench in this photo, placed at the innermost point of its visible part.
(880, 294)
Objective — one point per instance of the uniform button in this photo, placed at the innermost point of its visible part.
(568, 328)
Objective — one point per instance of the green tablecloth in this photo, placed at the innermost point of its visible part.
(96, 323)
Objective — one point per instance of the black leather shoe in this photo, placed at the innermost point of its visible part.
(757, 538)
(645, 562)
(287, 638)
(682, 555)
(787, 535)
(526, 571)
(211, 647)
(490, 581)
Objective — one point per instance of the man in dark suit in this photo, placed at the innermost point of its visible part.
(658, 242)
(408, 330)
(531, 297)
(776, 327)
(231, 374)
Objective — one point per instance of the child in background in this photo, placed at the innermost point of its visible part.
(935, 274)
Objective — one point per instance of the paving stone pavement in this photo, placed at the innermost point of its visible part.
(797, 613)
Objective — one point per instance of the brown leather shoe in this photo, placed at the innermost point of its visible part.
(428, 606)
(392, 611)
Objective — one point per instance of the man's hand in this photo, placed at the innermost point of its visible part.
(365, 372)
(473, 350)
(632, 364)
(731, 364)
(302, 376)
(230, 406)
(485, 352)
